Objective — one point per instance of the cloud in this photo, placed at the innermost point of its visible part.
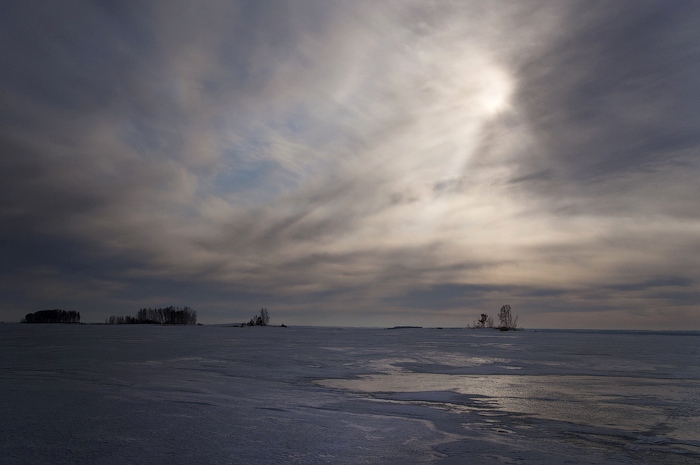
(348, 156)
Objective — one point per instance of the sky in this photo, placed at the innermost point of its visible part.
(364, 163)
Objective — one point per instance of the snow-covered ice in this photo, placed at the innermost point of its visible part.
(214, 394)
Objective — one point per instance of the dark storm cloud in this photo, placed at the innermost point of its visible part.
(422, 160)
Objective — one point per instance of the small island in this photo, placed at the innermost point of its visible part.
(261, 319)
(52, 316)
(505, 317)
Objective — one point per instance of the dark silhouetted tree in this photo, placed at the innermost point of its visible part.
(506, 318)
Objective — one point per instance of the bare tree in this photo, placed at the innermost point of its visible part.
(482, 321)
(506, 318)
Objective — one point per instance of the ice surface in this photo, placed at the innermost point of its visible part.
(211, 394)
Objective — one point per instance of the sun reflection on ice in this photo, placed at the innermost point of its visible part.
(636, 405)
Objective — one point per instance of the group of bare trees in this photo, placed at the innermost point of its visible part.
(158, 316)
(485, 321)
(262, 319)
(505, 317)
(52, 316)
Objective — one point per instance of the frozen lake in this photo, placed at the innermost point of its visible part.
(263, 395)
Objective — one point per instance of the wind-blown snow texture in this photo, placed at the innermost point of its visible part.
(151, 394)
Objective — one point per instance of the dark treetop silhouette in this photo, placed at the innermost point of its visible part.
(52, 316)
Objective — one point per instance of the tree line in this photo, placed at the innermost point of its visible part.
(157, 316)
(52, 316)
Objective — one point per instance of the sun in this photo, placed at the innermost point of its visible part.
(495, 91)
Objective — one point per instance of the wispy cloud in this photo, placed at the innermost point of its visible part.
(430, 160)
